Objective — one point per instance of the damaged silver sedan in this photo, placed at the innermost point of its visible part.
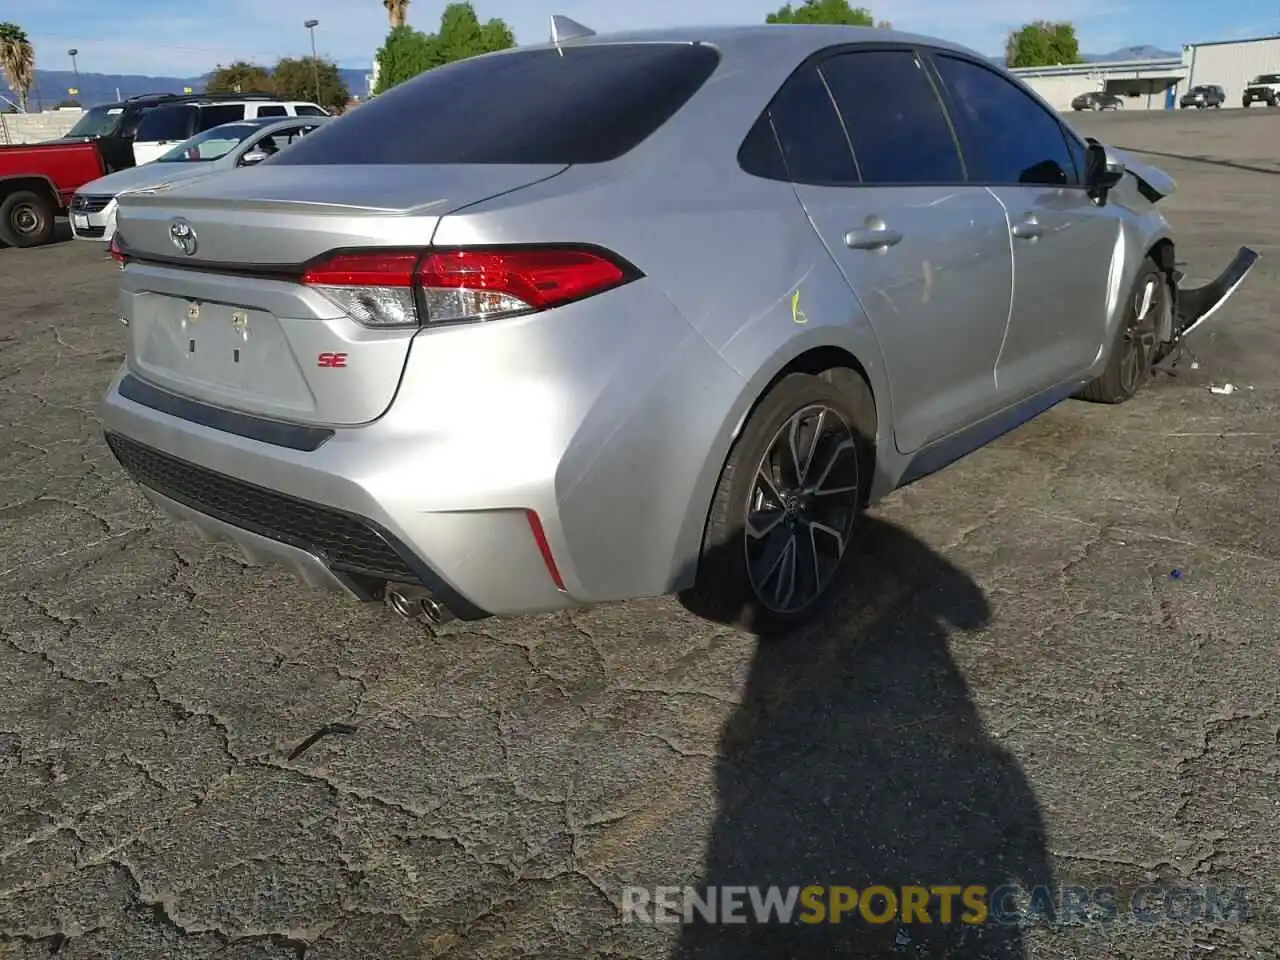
(631, 315)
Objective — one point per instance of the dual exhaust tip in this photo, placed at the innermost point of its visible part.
(411, 602)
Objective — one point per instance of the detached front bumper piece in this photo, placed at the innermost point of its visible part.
(1193, 306)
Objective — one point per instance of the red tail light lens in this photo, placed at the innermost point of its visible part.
(116, 251)
(485, 284)
(404, 288)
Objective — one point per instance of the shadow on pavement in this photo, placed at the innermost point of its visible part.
(1211, 161)
(857, 758)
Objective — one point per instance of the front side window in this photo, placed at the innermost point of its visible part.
(896, 122)
(211, 117)
(306, 110)
(273, 110)
(1007, 136)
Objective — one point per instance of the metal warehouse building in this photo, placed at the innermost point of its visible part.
(1231, 64)
(1157, 84)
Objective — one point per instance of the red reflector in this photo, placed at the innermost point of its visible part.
(364, 270)
(540, 538)
(539, 277)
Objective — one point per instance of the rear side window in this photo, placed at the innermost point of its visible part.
(587, 104)
(1008, 137)
(306, 110)
(273, 110)
(814, 146)
(211, 117)
(167, 123)
(896, 123)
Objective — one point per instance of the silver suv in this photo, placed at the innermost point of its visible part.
(620, 317)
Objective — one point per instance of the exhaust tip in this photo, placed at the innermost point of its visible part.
(411, 602)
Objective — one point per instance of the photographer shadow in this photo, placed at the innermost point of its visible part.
(857, 758)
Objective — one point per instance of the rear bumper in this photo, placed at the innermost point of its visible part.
(601, 424)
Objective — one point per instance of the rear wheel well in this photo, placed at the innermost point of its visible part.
(35, 184)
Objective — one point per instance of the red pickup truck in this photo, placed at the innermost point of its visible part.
(37, 181)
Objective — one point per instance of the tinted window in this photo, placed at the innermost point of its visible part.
(585, 104)
(895, 120)
(814, 146)
(167, 123)
(759, 154)
(211, 117)
(98, 122)
(308, 111)
(273, 110)
(1007, 136)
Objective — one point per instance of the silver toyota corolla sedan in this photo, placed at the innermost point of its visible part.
(626, 316)
(231, 145)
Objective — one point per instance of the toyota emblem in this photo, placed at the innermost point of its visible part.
(183, 236)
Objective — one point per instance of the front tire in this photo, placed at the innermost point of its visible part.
(786, 508)
(1133, 350)
(26, 219)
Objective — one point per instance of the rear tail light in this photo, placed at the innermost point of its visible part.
(116, 251)
(404, 288)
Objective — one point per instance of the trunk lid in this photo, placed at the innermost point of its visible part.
(221, 317)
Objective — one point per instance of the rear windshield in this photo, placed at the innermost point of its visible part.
(587, 104)
(98, 122)
(166, 123)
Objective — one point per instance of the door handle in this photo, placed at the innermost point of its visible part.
(1028, 229)
(876, 235)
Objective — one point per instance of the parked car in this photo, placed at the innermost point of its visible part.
(643, 314)
(1202, 96)
(113, 125)
(1264, 88)
(171, 123)
(37, 181)
(1097, 100)
(239, 144)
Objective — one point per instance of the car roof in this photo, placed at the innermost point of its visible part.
(797, 40)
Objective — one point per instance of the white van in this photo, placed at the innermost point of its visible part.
(164, 126)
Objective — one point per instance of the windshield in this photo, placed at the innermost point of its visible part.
(1267, 78)
(98, 122)
(210, 145)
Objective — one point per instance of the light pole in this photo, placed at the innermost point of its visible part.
(75, 70)
(315, 67)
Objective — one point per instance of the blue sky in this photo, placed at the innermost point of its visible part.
(168, 37)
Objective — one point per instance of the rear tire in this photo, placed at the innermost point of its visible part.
(26, 219)
(777, 545)
(1133, 350)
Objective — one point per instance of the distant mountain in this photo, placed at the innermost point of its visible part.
(1140, 52)
(52, 85)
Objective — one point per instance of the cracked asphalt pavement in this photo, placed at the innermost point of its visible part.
(201, 759)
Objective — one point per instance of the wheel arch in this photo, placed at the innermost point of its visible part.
(805, 357)
(34, 182)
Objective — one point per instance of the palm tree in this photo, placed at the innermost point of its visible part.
(396, 11)
(17, 60)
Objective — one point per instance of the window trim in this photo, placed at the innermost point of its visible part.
(1069, 136)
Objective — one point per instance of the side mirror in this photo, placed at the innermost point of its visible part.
(1103, 168)
(252, 157)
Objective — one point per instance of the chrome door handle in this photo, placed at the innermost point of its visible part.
(876, 235)
(1028, 229)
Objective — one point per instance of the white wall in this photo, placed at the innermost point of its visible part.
(1231, 65)
(34, 127)
(1060, 91)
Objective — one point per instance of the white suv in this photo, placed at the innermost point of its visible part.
(172, 123)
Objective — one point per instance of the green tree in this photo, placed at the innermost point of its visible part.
(17, 60)
(239, 77)
(1042, 43)
(296, 80)
(823, 11)
(409, 52)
